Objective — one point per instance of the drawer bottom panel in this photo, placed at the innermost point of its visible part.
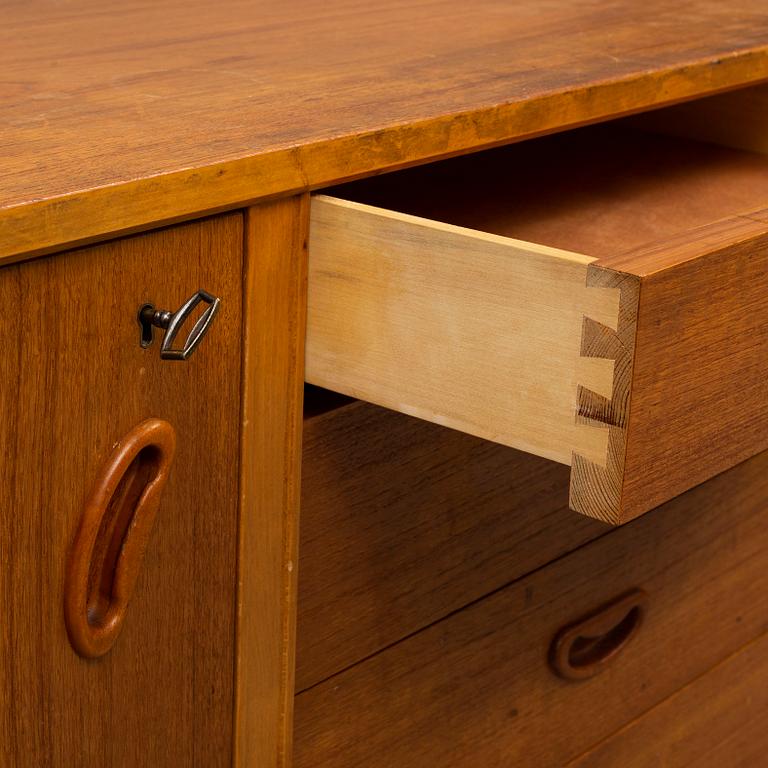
(477, 688)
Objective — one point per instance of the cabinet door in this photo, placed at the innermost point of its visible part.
(75, 381)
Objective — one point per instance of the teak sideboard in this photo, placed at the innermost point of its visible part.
(479, 288)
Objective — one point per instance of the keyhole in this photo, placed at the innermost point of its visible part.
(146, 313)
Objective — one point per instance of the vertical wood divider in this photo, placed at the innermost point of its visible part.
(275, 285)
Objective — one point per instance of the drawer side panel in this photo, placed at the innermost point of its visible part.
(469, 330)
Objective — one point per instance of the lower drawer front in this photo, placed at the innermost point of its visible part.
(477, 688)
(718, 721)
(404, 522)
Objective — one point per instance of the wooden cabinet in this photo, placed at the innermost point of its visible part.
(76, 381)
(557, 308)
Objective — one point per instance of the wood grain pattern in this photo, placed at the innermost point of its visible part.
(699, 400)
(717, 720)
(463, 328)
(404, 522)
(475, 689)
(76, 380)
(273, 346)
(158, 111)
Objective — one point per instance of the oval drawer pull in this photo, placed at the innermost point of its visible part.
(114, 530)
(584, 648)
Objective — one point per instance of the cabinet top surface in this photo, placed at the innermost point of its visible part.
(117, 116)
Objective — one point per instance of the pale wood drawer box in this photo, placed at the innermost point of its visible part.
(556, 296)
(478, 688)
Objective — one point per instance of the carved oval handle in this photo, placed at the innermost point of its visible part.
(114, 530)
(584, 648)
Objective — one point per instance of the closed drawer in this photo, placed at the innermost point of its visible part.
(593, 298)
(478, 689)
(720, 719)
(84, 679)
(404, 522)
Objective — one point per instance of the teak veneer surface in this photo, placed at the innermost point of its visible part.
(115, 117)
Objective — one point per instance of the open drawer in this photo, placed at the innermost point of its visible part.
(594, 297)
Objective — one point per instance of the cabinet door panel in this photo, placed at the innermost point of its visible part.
(75, 380)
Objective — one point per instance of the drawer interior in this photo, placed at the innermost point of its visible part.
(599, 190)
(523, 295)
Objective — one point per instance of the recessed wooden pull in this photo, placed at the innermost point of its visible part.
(109, 545)
(584, 648)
